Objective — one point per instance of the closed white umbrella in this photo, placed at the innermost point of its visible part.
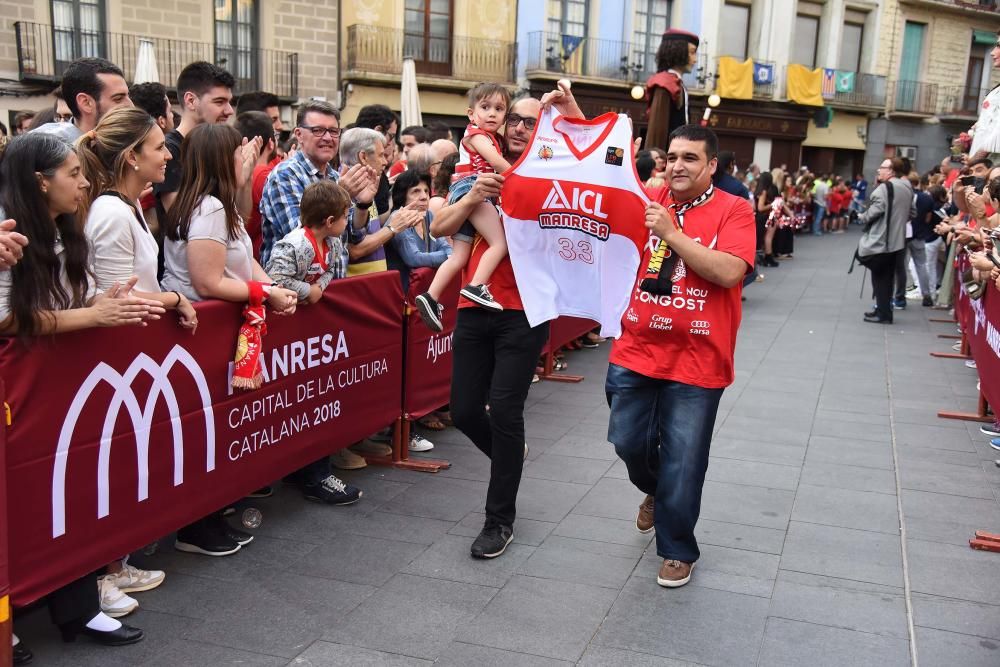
(145, 66)
(409, 97)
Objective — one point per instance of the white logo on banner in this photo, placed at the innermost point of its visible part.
(142, 418)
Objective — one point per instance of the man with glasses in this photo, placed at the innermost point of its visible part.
(495, 352)
(885, 233)
(318, 133)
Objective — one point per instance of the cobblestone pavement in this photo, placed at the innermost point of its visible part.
(828, 449)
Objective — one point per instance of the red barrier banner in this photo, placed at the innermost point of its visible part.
(428, 354)
(980, 320)
(565, 329)
(121, 436)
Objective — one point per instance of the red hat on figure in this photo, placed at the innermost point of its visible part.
(690, 37)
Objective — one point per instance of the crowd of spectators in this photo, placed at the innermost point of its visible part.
(144, 211)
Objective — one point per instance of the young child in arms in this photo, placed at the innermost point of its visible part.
(480, 153)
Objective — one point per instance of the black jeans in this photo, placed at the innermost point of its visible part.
(494, 359)
(883, 275)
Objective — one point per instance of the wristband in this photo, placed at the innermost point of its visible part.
(177, 305)
(363, 207)
(389, 226)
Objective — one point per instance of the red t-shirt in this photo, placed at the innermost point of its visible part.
(690, 336)
(258, 179)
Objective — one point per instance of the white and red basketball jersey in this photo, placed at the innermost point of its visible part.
(574, 214)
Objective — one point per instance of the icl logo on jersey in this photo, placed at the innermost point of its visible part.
(572, 209)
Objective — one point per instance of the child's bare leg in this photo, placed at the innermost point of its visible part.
(486, 220)
(460, 253)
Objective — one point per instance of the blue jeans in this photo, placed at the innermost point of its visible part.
(818, 213)
(662, 430)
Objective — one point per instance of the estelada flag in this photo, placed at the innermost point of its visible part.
(829, 83)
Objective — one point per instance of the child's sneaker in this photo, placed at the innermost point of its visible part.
(430, 311)
(480, 294)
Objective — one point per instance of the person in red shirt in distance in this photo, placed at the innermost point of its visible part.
(257, 124)
(668, 370)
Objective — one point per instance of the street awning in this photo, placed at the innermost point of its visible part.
(843, 132)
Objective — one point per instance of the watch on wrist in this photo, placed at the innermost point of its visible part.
(391, 229)
(362, 206)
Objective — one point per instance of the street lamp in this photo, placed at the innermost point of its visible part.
(713, 101)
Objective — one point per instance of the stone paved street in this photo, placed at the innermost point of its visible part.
(827, 448)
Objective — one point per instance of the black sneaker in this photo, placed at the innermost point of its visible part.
(480, 294)
(927, 302)
(204, 538)
(492, 541)
(430, 311)
(332, 491)
(263, 492)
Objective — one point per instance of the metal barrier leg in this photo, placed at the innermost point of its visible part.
(982, 413)
(548, 371)
(401, 453)
(963, 353)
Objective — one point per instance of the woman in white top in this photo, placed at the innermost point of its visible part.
(41, 187)
(209, 255)
(120, 156)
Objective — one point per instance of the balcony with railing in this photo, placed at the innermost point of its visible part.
(374, 50)
(762, 90)
(868, 92)
(913, 97)
(604, 60)
(44, 52)
(587, 57)
(960, 101)
(983, 8)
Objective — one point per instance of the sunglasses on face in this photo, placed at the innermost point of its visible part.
(318, 131)
(513, 119)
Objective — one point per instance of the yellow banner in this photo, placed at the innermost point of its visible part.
(735, 79)
(4, 609)
(805, 86)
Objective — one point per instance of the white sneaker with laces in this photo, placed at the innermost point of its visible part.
(419, 443)
(114, 603)
(133, 580)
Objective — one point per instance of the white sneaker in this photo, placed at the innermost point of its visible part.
(419, 443)
(114, 603)
(914, 294)
(133, 580)
(970, 363)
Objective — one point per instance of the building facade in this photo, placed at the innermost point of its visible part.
(454, 44)
(288, 47)
(606, 47)
(936, 55)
